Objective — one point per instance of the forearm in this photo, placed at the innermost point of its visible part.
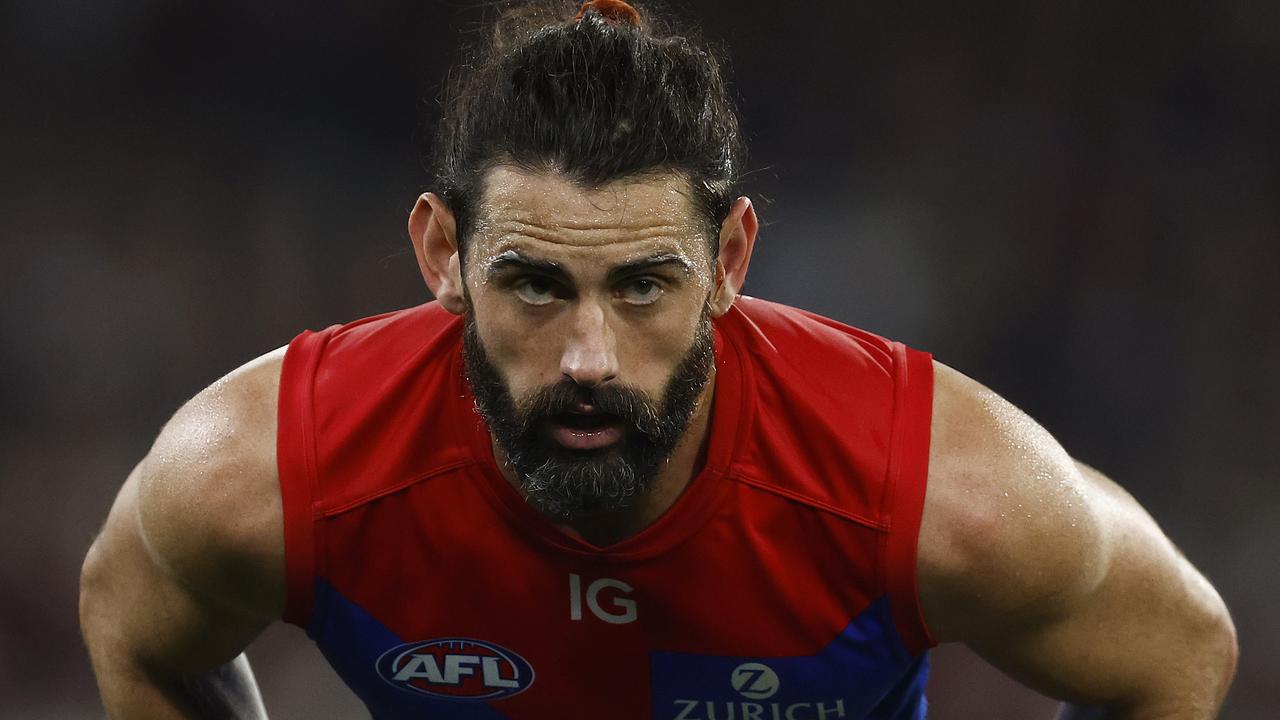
(131, 691)
(1197, 660)
(1197, 671)
(1080, 712)
(1095, 712)
(1198, 696)
(166, 624)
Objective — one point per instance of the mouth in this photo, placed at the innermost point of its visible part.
(585, 431)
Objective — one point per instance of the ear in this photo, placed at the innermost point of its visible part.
(737, 240)
(434, 235)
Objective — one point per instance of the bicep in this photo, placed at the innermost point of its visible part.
(1052, 572)
(1009, 535)
(1148, 634)
(189, 565)
(137, 614)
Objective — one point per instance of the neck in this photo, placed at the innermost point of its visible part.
(608, 528)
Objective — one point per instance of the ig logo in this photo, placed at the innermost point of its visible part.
(754, 681)
(623, 610)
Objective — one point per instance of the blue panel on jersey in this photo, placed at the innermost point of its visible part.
(863, 673)
(353, 640)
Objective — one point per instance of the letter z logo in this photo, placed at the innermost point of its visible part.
(754, 681)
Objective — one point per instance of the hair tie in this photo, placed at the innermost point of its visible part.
(615, 11)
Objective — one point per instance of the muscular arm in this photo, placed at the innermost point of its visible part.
(1056, 575)
(188, 568)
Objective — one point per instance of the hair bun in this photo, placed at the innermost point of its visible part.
(614, 11)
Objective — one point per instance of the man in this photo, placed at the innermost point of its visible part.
(591, 480)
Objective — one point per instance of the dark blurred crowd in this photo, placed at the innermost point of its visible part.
(1075, 203)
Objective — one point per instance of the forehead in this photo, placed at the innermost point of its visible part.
(546, 213)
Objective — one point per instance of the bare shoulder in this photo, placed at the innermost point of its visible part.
(1011, 527)
(1055, 574)
(208, 498)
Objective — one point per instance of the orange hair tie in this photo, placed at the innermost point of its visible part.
(615, 11)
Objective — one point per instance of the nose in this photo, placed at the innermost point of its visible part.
(590, 355)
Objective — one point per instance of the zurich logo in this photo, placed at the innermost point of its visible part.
(456, 669)
(754, 680)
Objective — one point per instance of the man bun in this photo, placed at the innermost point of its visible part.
(615, 11)
(603, 95)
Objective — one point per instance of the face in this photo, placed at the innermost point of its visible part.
(588, 338)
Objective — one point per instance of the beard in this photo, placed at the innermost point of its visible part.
(564, 482)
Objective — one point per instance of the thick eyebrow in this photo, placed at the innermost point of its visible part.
(513, 259)
(651, 262)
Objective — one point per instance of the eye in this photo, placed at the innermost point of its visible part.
(536, 290)
(641, 291)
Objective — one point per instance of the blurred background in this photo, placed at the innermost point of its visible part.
(1074, 202)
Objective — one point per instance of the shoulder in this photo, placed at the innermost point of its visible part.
(1010, 528)
(208, 495)
(803, 350)
(782, 328)
(832, 413)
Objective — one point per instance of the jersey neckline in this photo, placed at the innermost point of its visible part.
(730, 420)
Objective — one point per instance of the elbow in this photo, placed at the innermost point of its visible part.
(1228, 651)
(91, 577)
(1202, 662)
(98, 584)
(1219, 645)
(1212, 653)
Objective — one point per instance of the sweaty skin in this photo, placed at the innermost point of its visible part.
(1055, 574)
(1042, 565)
(189, 567)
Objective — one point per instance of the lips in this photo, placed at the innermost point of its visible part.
(585, 431)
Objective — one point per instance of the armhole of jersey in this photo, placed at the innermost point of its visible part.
(908, 475)
(296, 463)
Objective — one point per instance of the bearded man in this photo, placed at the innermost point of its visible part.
(592, 480)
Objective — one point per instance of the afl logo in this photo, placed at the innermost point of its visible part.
(456, 669)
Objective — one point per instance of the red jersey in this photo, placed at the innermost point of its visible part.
(781, 585)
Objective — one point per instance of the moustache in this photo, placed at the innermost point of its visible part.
(629, 405)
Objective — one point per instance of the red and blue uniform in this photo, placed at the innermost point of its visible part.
(781, 585)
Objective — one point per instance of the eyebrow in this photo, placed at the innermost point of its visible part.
(650, 263)
(514, 259)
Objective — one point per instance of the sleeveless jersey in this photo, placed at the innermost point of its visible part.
(781, 585)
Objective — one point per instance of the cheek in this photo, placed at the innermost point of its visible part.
(523, 351)
(649, 350)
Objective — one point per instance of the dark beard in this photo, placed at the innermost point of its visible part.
(575, 483)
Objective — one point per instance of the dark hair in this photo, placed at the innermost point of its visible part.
(597, 99)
